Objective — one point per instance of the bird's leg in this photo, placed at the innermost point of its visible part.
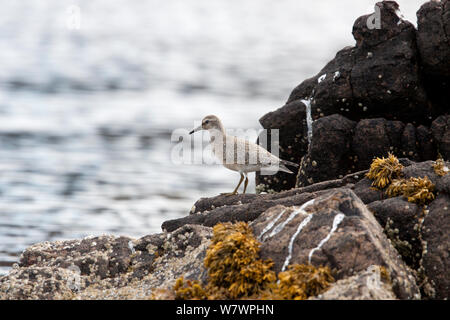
(245, 182)
(236, 189)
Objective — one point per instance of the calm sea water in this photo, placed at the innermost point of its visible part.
(86, 115)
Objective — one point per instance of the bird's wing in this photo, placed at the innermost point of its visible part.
(252, 153)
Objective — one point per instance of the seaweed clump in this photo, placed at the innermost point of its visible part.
(234, 268)
(384, 170)
(301, 281)
(439, 167)
(387, 172)
(189, 290)
(233, 261)
(235, 271)
(416, 190)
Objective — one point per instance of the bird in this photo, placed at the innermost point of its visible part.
(238, 154)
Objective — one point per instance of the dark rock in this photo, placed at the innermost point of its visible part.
(339, 146)
(363, 189)
(243, 207)
(433, 42)
(400, 220)
(441, 134)
(409, 144)
(340, 233)
(371, 139)
(379, 77)
(329, 152)
(436, 257)
(390, 26)
(385, 76)
(433, 37)
(425, 143)
(208, 204)
(291, 123)
(379, 83)
(443, 184)
(234, 213)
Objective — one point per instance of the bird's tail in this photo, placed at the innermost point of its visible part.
(282, 167)
(288, 163)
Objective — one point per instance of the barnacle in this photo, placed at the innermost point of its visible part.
(260, 188)
(439, 167)
(417, 190)
(383, 170)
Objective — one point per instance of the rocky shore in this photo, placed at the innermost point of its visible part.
(366, 223)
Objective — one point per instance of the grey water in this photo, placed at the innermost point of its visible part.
(88, 106)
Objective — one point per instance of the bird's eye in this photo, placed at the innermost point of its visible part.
(206, 121)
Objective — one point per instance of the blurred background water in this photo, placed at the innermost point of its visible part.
(86, 114)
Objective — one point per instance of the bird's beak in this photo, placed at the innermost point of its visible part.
(196, 129)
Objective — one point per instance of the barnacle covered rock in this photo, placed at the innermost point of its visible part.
(383, 170)
(401, 223)
(374, 283)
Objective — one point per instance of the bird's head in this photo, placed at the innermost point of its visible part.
(209, 123)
